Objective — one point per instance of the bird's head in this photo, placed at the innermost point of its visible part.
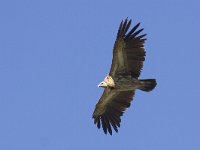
(103, 84)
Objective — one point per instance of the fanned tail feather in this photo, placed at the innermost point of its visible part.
(147, 84)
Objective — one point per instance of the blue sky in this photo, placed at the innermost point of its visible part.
(54, 53)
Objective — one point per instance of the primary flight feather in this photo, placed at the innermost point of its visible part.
(122, 81)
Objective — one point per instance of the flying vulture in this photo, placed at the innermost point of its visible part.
(123, 79)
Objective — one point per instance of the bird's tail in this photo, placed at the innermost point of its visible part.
(147, 84)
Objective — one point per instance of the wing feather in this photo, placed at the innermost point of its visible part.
(128, 51)
(109, 111)
(132, 30)
(136, 33)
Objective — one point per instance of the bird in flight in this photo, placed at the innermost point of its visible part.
(123, 79)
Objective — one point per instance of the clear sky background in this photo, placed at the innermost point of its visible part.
(54, 53)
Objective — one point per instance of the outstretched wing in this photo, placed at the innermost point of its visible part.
(128, 52)
(110, 108)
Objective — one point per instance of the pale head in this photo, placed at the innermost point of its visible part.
(103, 84)
(108, 82)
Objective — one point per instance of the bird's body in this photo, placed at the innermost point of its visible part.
(123, 79)
(122, 82)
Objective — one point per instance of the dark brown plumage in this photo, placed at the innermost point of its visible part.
(127, 62)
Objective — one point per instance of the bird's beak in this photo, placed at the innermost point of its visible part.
(100, 85)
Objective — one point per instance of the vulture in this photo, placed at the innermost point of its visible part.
(123, 79)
